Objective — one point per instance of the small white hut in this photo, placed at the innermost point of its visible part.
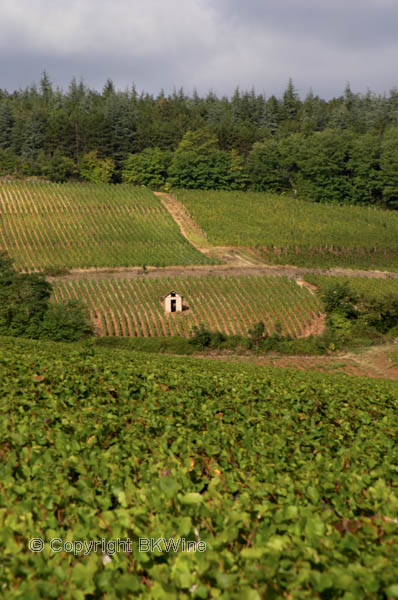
(173, 302)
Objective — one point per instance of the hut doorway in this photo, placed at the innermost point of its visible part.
(173, 302)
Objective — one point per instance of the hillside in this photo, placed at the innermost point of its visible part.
(134, 307)
(286, 230)
(47, 226)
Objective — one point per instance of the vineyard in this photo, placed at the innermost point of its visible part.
(369, 287)
(288, 478)
(134, 307)
(50, 226)
(289, 231)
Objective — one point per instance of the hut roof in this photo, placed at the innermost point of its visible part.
(172, 293)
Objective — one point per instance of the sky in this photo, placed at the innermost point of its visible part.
(207, 45)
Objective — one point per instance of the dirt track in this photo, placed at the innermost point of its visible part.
(371, 362)
(216, 270)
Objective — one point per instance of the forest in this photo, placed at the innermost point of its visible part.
(341, 150)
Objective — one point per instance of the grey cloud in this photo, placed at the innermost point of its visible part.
(353, 23)
(207, 44)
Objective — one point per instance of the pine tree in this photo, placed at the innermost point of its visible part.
(271, 116)
(119, 127)
(46, 88)
(33, 135)
(389, 167)
(6, 124)
(290, 102)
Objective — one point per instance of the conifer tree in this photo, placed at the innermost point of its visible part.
(6, 124)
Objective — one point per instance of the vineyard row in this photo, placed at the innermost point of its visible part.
(75, 226)
(127, 307)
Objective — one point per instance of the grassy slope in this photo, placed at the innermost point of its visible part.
(285, 476)
(303, 233)
(47, 226)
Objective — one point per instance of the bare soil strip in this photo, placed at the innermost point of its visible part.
(197, 237)
(372, 362)
(188, 227)
(217, 270)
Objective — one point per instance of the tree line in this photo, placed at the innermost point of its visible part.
(340, 150)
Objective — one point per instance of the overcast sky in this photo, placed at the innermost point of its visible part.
(203, 44)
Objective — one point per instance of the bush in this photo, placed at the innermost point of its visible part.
(203, 338)
(257, 334)
(59, 168)
(341, 325)
(351, 316)
(309, 345)
(340, 298)
(393, 333)
(394, 357)
(380, 313)
(25, 310)
(96, 170)
(200, 336)
(190, 169)
(236, 341)
(23, 300)
(217, 339)
(66, 321)
(148, 168)
(358, 319)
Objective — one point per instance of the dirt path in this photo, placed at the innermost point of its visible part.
(188, 227)
(217, 270)
(316, 327)
(372, 362)
(231, 255)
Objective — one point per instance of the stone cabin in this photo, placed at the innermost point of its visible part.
(173, 302)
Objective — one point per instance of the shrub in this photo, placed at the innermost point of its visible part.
(203, 338)
(394, 357)
(341, 325)
(59, 168)
(309, 345)
(96, 170)
(381, 313)
(23, 300)
(217, 339)
(200, 336)
(257, 334)
(393, 333)
(191, 169)
(148, 168)
(66, 321)
(340, 298)
(25, 310)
